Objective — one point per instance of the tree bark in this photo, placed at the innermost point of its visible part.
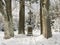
(45, 19)
(8, 20)
(9, 17)
(41, 16)
(6, 29)
(21, 29)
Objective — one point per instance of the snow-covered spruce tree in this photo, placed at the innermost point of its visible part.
(21, 29)
(8, 20)
(45, 19)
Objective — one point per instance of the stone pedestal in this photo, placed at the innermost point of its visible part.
(29, 31)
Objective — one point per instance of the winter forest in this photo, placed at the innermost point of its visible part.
(29, 22)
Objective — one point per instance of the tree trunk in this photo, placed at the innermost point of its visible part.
(45, 19)
(9, 17)
(8, 20)
(7, 35)
(6, 28)
(1, 6)
(41, 17)
(21, 17)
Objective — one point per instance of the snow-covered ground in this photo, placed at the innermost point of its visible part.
(20, 39)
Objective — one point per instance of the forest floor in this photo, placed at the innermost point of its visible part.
(20, 39)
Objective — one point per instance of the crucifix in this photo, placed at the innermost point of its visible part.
(30, 21)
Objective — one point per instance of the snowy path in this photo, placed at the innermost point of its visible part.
(30, 40)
